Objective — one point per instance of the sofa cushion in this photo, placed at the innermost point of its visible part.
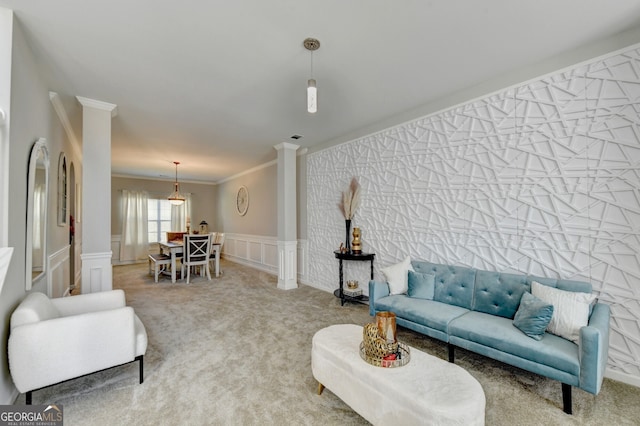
(34, 308)
(533, 316)
(421, 285)
(570, 310)
(499, 293)
(568, 285)
(429, 313)
(453, 284)
(397, 276)
(499, 333)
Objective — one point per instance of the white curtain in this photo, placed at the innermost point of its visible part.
(134, 244)
(180, 214)
(39, 206)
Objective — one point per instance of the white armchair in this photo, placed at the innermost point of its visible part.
(54, 340)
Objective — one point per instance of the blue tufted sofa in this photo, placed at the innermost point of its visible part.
(474, 310)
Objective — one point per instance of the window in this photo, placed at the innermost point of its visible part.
(159, 212)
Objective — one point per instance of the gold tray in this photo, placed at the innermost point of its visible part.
(405, 357)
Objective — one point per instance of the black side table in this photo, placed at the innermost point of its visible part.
(352, 256)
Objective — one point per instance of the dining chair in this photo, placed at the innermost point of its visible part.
(160, 263)
(219, 239)
(196, 253)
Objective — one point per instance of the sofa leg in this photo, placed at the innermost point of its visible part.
(566, 398)
(29, 398)
(451, 353)
(141, 363)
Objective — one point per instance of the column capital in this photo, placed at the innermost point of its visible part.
(92, 103)
(286, 145)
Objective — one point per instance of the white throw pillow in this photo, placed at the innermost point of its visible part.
(397, 276)
(570, 310)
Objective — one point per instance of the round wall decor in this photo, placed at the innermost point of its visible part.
(242, 200)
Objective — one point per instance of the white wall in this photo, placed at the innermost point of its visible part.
(541, 179)
(261, 217)
(31, 116)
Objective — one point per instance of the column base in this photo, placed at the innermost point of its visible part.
(97, 274)
(287, 265)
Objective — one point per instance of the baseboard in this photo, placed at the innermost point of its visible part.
(622, 377)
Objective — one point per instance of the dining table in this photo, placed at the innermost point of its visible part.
(173, 248)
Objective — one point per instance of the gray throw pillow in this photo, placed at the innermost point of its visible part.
(533, 316)
(420, 285)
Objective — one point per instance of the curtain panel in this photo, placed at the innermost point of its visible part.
(134, 244)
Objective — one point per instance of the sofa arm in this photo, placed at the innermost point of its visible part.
(377, 289)
(49, 352)
(594, 349)
(91, 302)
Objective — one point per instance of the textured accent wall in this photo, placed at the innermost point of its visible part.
(542, 178)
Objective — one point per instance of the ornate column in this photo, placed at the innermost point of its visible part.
(96, 195)
(287, 214)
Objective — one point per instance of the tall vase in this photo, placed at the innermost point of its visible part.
(347, 240)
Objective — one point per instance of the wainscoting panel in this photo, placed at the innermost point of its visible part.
(255, 251)
(542, 178)
(270, 254)
(260, 252)
(58, 273)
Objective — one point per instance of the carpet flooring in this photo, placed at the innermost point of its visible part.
(237, 351)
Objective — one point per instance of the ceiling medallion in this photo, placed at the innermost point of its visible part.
(311, 44)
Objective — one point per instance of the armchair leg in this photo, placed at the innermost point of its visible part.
(566, 398)
(29, 398)
(141, 364)
(451, 353)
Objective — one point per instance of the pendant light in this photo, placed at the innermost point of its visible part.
(311, 44)
(176, 198)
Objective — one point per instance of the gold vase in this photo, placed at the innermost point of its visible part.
(386, 322)
(356, 245)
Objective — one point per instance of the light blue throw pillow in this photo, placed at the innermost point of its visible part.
(420, 285)
(533, 316)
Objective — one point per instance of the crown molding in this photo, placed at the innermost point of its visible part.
(66, 124)
(92, 103)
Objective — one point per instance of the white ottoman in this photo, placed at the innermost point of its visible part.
(426, 391)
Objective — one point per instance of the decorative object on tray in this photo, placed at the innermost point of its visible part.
(352, 289)
(402, 357)
(356, 245)
(348, 205)
(353, 293)
(376, 351)
(386, 322)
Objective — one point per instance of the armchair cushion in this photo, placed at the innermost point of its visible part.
(35, 308)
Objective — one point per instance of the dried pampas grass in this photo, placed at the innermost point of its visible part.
(350, 200)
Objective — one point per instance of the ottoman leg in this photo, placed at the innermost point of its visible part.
(320, 388)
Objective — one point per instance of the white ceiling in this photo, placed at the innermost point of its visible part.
(216, 84)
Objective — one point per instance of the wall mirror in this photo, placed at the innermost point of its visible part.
(62, 190)
(37, 202)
